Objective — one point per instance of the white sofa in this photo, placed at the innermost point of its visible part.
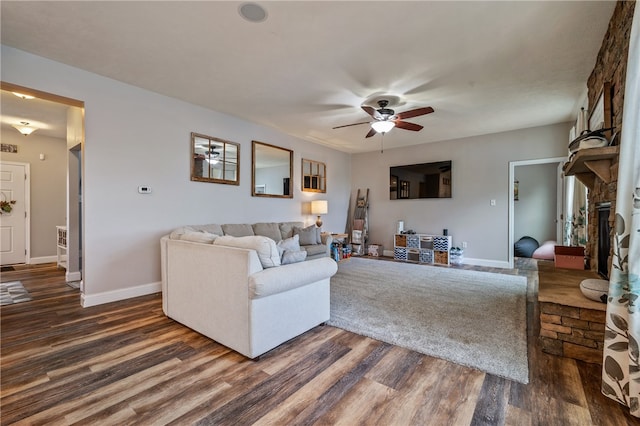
(226, 294)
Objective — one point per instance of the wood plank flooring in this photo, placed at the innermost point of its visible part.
(125, 363)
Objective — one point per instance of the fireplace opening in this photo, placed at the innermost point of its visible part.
(604, 238)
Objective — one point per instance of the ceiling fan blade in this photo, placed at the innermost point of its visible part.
(408, 126)
(372, 132)
(414, 113)
(354, 124)
(372, 112)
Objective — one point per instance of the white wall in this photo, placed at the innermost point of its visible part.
(48, 187)
(536, 208)
(480, 173)
(136, 137)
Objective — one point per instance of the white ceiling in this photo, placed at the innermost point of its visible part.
(484, 67)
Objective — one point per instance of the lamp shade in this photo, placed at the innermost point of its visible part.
(383, 126)
(319, 207)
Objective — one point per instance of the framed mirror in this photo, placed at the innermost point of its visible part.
(271, 171)
(314, 176)
(214, 160)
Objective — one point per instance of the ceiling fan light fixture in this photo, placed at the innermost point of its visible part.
(383, 126)
(24, 128)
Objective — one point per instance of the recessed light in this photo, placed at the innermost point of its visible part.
(252, 12)
(23, 96)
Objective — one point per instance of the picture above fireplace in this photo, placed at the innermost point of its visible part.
(425, 180)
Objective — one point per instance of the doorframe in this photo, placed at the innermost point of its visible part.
(80, 139)
(559, 212)
(27, 207)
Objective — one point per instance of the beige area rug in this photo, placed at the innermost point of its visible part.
(477, 319)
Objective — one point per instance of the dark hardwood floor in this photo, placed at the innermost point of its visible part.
(126, 363)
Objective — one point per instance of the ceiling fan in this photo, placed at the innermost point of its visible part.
(386, 118)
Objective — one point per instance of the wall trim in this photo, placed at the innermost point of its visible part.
(73, 276)
(88, 300)
(43, 259)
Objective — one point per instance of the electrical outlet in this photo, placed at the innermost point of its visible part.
(492, 202)
(464, 244)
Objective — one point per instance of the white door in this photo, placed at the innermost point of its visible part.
(13, 225)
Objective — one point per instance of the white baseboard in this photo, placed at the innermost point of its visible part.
(470, 261)
(73, 276)
(88, 300)
(43, 259)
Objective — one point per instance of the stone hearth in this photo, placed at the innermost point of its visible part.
(571, 325)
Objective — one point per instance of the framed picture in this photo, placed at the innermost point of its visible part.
(7, 147)
(600, 116)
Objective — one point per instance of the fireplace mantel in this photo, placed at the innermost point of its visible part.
(587, 164)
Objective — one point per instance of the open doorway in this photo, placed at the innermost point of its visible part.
(58, 124)
(536, 200)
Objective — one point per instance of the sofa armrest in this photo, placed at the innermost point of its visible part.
(286, 277)
(327, 240)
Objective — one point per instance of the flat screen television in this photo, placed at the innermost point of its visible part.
(425, 180)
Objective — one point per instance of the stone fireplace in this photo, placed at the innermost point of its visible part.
(609, 71)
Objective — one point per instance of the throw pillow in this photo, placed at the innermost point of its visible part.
(199, 237)
(293, 256)
(265, 247)
(308, 235)
(178, 232)
(290, 244)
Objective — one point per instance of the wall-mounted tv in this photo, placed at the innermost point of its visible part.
(425, 180)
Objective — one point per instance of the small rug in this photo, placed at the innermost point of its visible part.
(476, 319)
(13, 292)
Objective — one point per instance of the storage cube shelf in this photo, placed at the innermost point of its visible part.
(422, 248)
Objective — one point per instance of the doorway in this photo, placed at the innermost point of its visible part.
(551, 218)
(60, 119)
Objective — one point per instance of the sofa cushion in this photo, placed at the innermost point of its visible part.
(271, 230)
(314, 249)
(293, 256)
(286, 228)
(288, 277)
(309, 235)
(199, 237)
(265, 247)
(238, 229)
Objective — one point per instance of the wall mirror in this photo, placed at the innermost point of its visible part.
(214, 160)
(314, 176)
(272, 169)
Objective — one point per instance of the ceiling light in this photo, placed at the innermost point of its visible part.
(23, 96)
(383, 126)
(252, 12)
(24, 128)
